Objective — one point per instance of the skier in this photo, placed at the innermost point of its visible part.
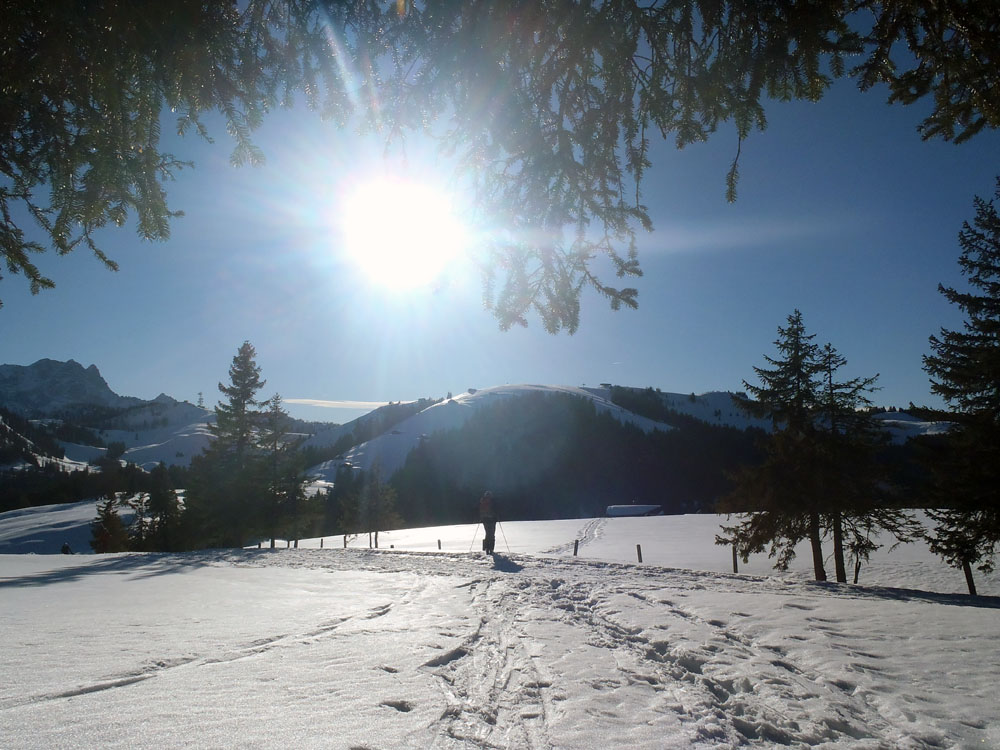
(488, 516)
(66, 549)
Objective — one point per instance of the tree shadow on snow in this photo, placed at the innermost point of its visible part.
(885, 593)
(138, 565)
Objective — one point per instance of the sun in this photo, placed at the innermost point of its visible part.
(400, 233)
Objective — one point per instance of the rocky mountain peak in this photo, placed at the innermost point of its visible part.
(50, 387)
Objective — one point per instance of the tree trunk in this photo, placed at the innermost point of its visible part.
(817, 547)
(968, 577)
(838, 548)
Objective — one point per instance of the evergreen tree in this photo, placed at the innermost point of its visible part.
(289, 510)
(164, 511)
(227, 499)
(821, 473)
(141, 526)
(965, 370)
(855, 485)
(236, 418)
(108, 532)
(783, 494)
(376, 506)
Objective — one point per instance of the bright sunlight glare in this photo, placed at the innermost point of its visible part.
(401, 234)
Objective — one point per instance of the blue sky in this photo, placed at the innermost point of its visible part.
(843, 212)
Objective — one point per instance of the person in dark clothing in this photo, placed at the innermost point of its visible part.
(66, 549)
(488, 516)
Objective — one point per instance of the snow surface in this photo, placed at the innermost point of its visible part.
(418, 648)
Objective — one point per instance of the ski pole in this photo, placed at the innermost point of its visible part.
(473, 537)
(504, 537)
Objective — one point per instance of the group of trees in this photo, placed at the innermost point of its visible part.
(154, 517)
(250, 482)
(360, 502)
(822, 475)
(49, 484)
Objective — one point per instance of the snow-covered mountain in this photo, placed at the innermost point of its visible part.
(49, 388)
(171, 431)
(390, 449)
(902, 426)
(161, 430)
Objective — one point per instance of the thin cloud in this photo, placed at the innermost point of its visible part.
(336, 404)
(748, 234)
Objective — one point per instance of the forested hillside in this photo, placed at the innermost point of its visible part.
(549, 455)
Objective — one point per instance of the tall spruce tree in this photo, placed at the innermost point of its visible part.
(227, 498)
(236, 418)
(965, 370)
(783, 495)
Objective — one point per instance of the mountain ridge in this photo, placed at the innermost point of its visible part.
(170, 431)
(49, 387)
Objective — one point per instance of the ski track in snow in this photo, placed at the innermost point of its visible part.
(590, 532)
(554, 650)
(500, 689)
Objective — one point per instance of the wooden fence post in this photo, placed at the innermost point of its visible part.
(576, 546)
(638, 551)
(736, 564)
(321, 542)
(439, 544)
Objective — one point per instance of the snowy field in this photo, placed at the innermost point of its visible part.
(412, 647)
